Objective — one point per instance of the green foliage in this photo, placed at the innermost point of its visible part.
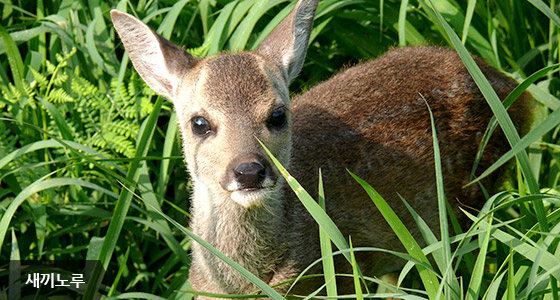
(90, 159)
(106, 121)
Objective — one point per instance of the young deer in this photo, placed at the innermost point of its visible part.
(369, 119)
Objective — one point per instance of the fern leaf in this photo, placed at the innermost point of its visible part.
(50, 67)
(98, 141)
(124, 128)
(12, 94)
(60, 78)
(29, 89)
(123, 145)
(146, 106)
(123, 98)
(115, 142)
(59, 96)
(41, 80)
(83, 87)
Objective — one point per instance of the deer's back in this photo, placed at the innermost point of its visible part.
(371, 120)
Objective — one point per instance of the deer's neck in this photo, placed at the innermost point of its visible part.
(251, 237)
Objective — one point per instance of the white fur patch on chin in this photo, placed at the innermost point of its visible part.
(251, 198)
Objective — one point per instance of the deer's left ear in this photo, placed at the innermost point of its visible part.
(287, 43)
(159, 62)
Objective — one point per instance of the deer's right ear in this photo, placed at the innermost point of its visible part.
(159, 62)
(287, 43)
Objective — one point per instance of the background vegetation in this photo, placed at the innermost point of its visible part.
(89, 155)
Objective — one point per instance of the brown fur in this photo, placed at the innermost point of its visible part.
(369, 119)
(378, 127)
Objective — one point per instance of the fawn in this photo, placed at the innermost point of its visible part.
(369, 118)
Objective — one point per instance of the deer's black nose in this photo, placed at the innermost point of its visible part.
(250, 174)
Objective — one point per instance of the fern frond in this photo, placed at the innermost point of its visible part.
(146, 106)
(130, 111)
(135, 86)
(60, 78)
(199, 51)
(8, 94)
(13, 95)
(90, 100)
(29, 89)
(123, 98)
(83, 87)
(123, 146)
(50, 67)
(123, 127)
(98, 141)
(59, 58)
(115, 142)
(41, 79)
(16, 95)
(59, 96)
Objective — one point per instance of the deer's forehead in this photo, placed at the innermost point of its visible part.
(239, 87)
(235, 81)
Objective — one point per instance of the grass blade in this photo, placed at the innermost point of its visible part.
(273, 23)
(24, 36)
(510, 99)
(326, 249)
(14, 291)
(490, 95)
(94, 248)
(473, 289)
(54, 143)
(494, 288)
(546, 10)
(14, 59)
(241, 35)
(429, 279)
(510, 287)
(35, 187)
(151, 202)
(468, 18)
(534, 136)
(549, 262)
(402, 22)
(124, 200)
(60, 121)
(39, 212)
(314, 209)
(442, 207)
(168, 24)
(203, 6)
(137, 295)
(170, 138)
(219, 32)
(92, 48)
(324, 221)
(437, 254)
(122, 267)
(355, 275)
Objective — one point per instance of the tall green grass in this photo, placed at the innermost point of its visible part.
(91, 167)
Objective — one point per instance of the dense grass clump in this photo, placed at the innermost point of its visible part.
(91, 166)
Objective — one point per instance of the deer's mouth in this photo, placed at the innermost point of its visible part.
(251, 189)
(252, 196)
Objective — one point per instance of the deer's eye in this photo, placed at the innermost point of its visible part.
(200, 126)
(277, 119)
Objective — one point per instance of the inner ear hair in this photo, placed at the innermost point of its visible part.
(159, 62)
